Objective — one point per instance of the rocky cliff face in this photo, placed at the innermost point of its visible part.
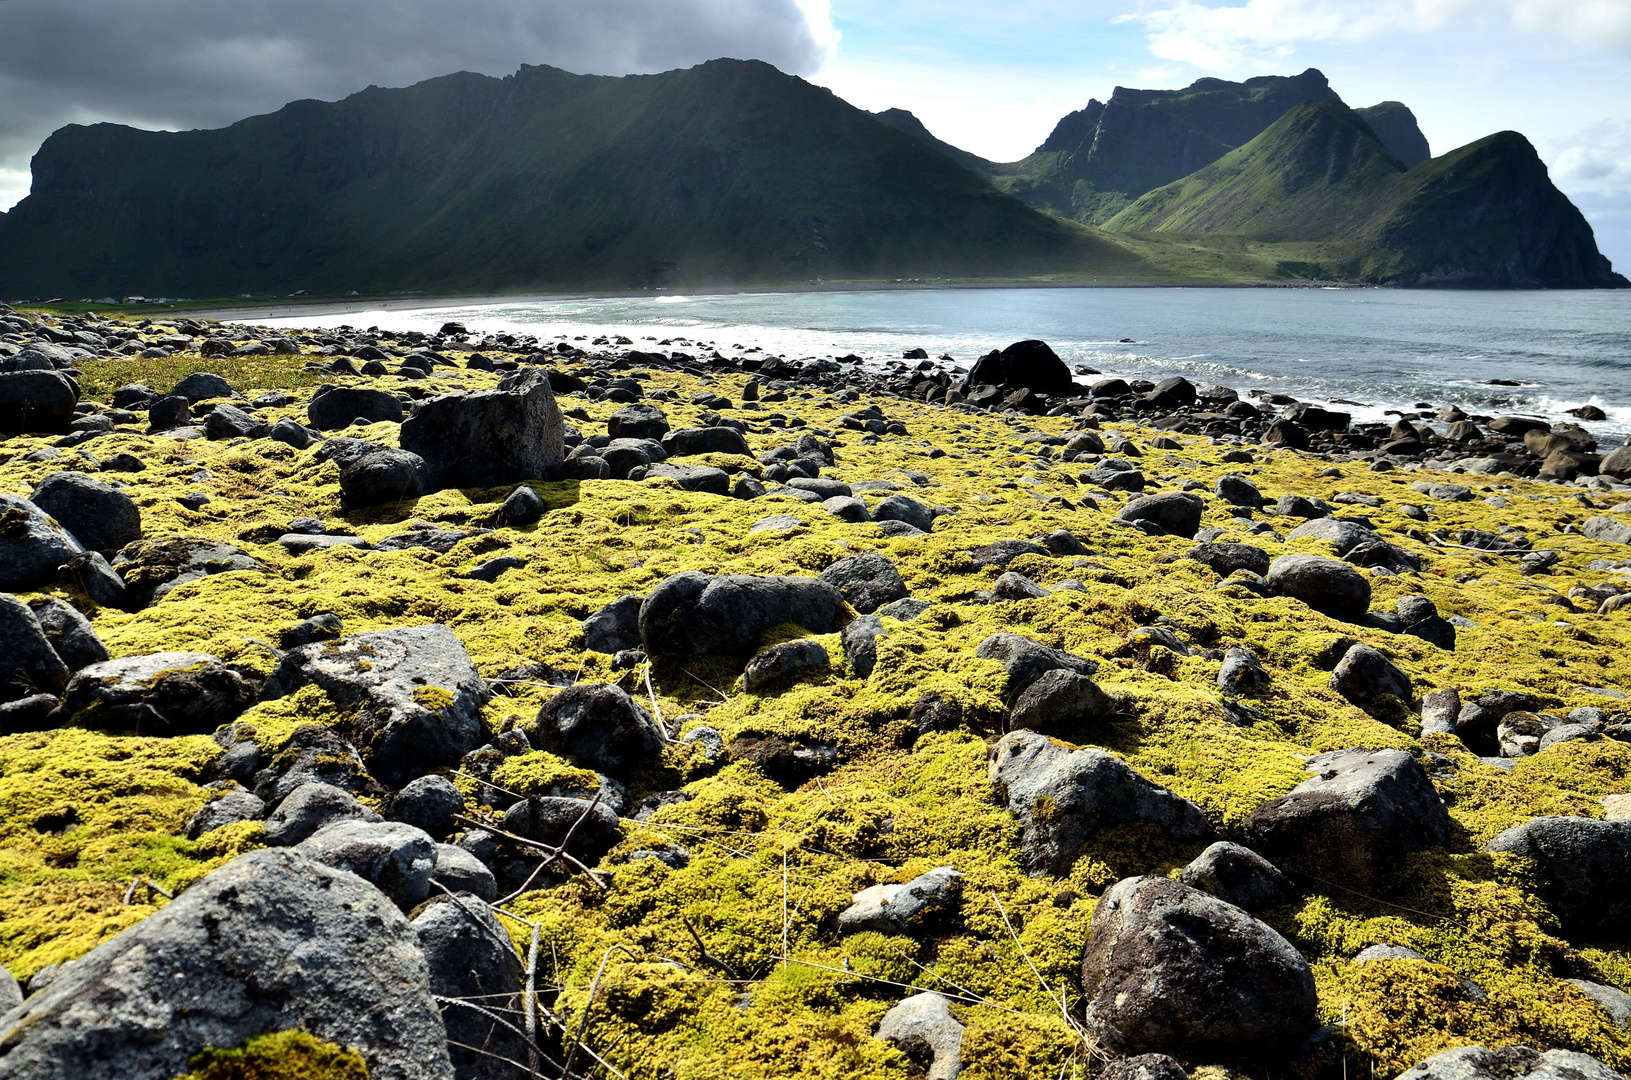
(1396, 126)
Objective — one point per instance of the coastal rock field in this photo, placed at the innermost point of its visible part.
(476, 706)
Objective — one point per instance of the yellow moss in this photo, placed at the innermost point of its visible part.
(281, 1055)
(434, 698)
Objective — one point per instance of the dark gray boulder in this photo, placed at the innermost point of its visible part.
(384, 476)
(1013, 585)
(547, 819)
(1237, 491)
(782, 661)
(28, 663)
(1354, 822)
(904, 508)
(472, 963)
(1030, 364)
(600, 727)
(457, 870)
(1061, 702)
(290, 433)
(337, 408)
(638, 421)
(90, 574)
(70, 633)
(705, 440)
(36, 402)
(1143, 1067)
(1326, 585)
(868, 581)
(897, 909)
(1363, 675)
(231, 422)
(233, 806)
(200, 386)
(1237, 875)
(1344, 535)
(395, 858)
(324, 626)
(1082, 791)
(1509, 1063)
(1027, 661)
(153, 568)
(173, 693)
(1227, 557)
(490, 437)
(1170, 967)
(309, 807)
(1003, 552)
(1178, 513)
(270, 942)
(32, 545)
(101, 516)
(168, 413)
(860, 640)
(411, 696)
(705, 479)
(1240, 671)
(429, 803)
(693, 612)
(615, 627)
(523, 506)
(1583, 864)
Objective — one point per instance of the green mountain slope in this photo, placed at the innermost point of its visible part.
(1101, 158)
(727, 172)
(1484, 215)
(1396, 126)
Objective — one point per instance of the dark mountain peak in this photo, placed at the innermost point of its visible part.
(907, 123)
(1073, 129)
(1396, 126)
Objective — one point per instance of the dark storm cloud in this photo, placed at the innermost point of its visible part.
(205, 63)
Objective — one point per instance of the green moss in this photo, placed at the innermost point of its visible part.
(281, 1055)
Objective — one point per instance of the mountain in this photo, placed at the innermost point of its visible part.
(903, 121)
(727, 172)
(1396, 126)
(1099, 159)
(1486, 215)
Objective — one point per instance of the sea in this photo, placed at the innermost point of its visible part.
(1371, 352)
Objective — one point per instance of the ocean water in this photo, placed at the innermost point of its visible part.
(1369, 350)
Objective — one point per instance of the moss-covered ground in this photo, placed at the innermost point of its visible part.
(83, 814)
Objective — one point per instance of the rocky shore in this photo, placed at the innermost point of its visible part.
(461, 706)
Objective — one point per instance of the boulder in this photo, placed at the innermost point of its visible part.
(70, 633)
(905, 509)
(692, 612)
(168, 413)
(1143, 1067)
(101, 517)
(1003, 552)
(1607, 530)
(1170, 967)
(860, 640)
(705, 440)
(457, 870)
(867, 581)
(233, 806)
(701, 478)
(1030, 364)
(897, 909)
(1509, 1063)
(170, 693)
(339, 407)
(600, 727)
(615, 627)
(1237, 491)
(1326, 585)
(490, 437)
(923, 1028)
(1354, 822)
(1061, 702)
(1227, 557)
(637, 421)
(89, 574)
(410, 696)
(153, 568)
(548, 818)
(1363, 675)
(231, 422)
(1016, 586)
(782, 661)
(1178, 513)
(36, 402)
(523, 506)
(200, 386)
(384, 476)
(473, 963)
(28, 663)
(1583, 865)
(1237, 875)
(429, 803)
(32, 545)
(1240, 671)
(309, 807)
(270, 942)
(1063, 797)
(395, 858)
(1341, 534)
(1027, 661)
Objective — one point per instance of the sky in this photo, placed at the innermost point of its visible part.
(992, 78)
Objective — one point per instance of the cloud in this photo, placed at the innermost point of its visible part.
(1595, 161)
(1265, 33)
(204, 63)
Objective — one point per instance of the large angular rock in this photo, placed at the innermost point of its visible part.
(1363, 675)
(170, 693)
(232, 807)
(1354, 822)
(36, 402)
(490, 437)
(693, 612)
(1326, 585)
(1584, 865)
(32, 545)
(1061, 702)
(270, 942)
(782, 661)
(868, 581)
(1509, 1063)
(1176, 512)
(472, 963)
(1169, 967)
(70, 633)
(337, 408)
(1027, 660)
(1030, 364)
(599, 726)
(153, 568)
(28, 663)
(101, 516)
(231, 422)
(395, 858)
(412, 698)
(1063, 797)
